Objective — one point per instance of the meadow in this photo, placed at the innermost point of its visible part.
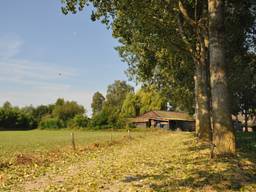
(148, 160)
(40, 141)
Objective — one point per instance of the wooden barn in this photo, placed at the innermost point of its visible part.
(165, 119)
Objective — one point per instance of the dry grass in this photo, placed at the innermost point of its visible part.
(156, 161)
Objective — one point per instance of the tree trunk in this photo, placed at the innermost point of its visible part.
(223, 134)
(196, 100)
(204, 125)
(246, 121)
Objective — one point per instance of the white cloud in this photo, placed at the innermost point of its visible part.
(39, 96)
(35, 82)
(31, 72)
(9, 46)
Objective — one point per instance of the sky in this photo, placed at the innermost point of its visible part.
(45, 55)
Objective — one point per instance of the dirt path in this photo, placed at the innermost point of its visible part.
(158, 162)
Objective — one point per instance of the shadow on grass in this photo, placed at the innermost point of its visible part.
(246, 144)
(222, 174)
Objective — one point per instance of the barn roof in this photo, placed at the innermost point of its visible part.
(162, 115)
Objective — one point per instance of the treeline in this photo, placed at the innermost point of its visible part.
(121, 102)
(110, 111)
(61, 114)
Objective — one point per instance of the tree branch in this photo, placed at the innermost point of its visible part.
(184, 12)
(183, 36)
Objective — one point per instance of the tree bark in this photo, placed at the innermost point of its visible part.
(203, 123)
(197, 116)
(246, 121)
(204, 126)
(201, 77)
(223, 134)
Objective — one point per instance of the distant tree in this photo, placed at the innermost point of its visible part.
(243, 87)
(150, 100)
(60, 101)
(41, 111)
(28, 109)
(7, 105)
(51, 123)
(107, 113)
(116, 93)
(67, 110)
(97, 102)
(131, 106)
(79, 121)
(13, 118)
(100, 120)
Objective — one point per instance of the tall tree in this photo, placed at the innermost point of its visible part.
(116, 94)
(150, 99)
(157, 26)
(67, 110)
(97, 102)
(223, 135)
(131, 106)
(146, 29)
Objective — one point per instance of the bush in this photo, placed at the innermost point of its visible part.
(51, 123)
(79, 121)
(100, 120)
(67, 110)
(15, 119)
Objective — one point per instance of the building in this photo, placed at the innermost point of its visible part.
(239, 122)
(165, 119)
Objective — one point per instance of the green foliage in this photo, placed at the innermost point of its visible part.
(122, 103)
(62, 114)
(145, 100)
(100, 120)
(240, 40)
(41, 110)
(110, 114)
(243, 86)
(45, 116)
(131, 106)
(151, 100)
(97, 102)
(116, 93)
(51, 123)
(7, 105)
(13, 118)
(67, 110)
(79, 121)
(151, 44)
(159, 40)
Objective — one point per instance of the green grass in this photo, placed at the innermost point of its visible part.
(246, 141)
(39, 141)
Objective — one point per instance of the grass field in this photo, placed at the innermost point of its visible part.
(149, 161)
(40, 141)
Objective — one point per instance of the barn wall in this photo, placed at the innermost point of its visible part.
(141, 125)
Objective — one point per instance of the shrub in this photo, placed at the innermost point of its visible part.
(51, 123)
(15, 119)
(100, 120)
(79, 121)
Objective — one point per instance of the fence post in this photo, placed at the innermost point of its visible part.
(129, 135)
(73, 141)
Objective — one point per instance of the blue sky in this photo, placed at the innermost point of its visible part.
(38, 42)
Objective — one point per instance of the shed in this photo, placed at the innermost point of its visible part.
(165, 119)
